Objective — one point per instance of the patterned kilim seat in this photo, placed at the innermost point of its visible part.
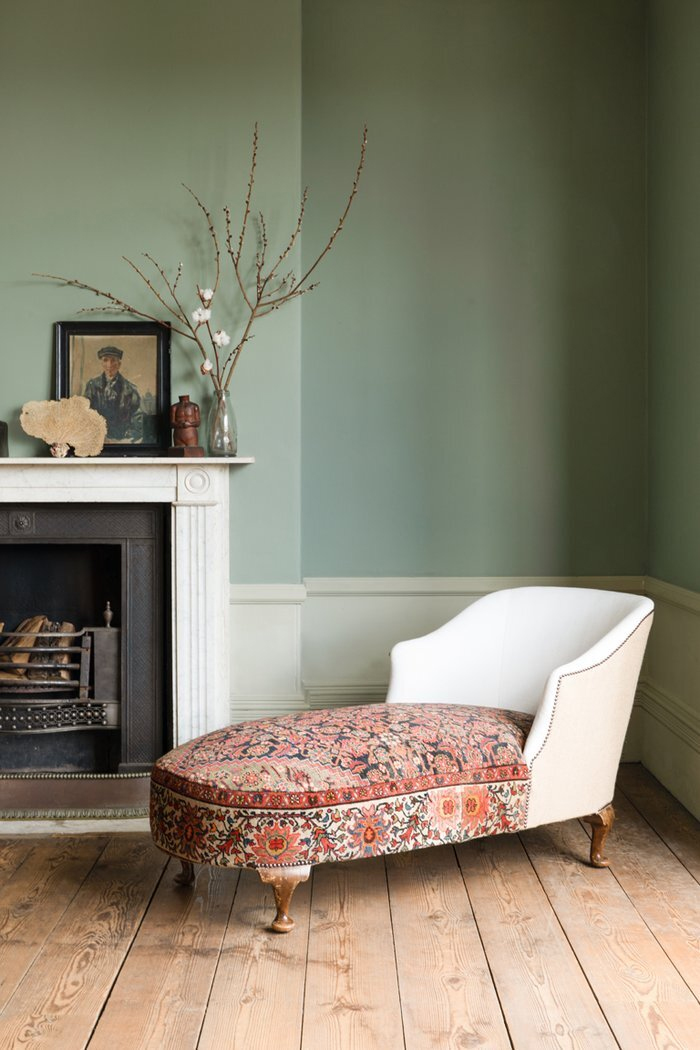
(335, 785)
(282, 794)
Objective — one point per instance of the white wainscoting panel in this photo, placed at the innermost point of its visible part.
(265, 650)
(670, 693)
(349, 625)
(326, 643)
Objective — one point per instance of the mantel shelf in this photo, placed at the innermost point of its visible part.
(131, 461)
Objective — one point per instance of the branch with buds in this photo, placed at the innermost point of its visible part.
(266, 292)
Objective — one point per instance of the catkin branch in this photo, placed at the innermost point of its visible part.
(263, 291)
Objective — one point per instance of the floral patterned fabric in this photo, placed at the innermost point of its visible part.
(340, 784)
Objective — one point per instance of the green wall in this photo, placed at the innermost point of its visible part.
(105, 110)
(474, 360)
(472, 383)
(674, 300)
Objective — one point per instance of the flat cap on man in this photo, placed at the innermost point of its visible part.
(110, 351)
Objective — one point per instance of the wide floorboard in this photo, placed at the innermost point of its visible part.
(510, 943)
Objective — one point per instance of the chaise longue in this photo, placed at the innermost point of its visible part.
(511, 715)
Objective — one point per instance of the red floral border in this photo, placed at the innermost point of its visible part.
(208, 834)
(370, 792)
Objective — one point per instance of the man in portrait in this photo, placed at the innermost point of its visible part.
(115, 398)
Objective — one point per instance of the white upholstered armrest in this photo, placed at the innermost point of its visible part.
(576, 739)
(458, 663)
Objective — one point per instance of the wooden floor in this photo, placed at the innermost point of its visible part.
(511, 942)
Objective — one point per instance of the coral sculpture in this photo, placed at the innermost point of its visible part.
(63, 424)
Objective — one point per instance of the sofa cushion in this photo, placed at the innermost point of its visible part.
(342, 783)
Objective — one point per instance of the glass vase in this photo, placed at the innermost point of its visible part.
(222, 434)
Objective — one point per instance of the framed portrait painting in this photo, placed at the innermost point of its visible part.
(123, 369)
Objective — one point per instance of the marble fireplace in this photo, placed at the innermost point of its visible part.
(194, 499)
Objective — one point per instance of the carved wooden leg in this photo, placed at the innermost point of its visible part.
(284, 881)
(185, 877)
(601, 822)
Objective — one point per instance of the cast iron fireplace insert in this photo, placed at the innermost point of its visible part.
(105, 707)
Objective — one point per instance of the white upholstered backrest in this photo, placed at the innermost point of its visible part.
(546, 627)
(502, 649)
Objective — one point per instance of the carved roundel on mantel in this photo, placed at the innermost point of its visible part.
(197, 482)
(22, 523)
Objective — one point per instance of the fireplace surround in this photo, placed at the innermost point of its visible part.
(194, 498)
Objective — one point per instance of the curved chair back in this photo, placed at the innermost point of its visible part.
(547, 627)
(502, 649)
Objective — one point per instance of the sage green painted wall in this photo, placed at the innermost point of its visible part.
(473, 368)
(473, 389)
(674, 314)
(105, 109)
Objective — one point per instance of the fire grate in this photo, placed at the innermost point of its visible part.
(52, 680)
(48, 661)
(49, 717)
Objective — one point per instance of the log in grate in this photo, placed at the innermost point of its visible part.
(59, 680)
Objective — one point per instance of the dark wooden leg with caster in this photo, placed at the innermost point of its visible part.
(601, 822)
(185, 877)
(284, 881)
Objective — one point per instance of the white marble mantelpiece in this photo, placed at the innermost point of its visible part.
(198, 493)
